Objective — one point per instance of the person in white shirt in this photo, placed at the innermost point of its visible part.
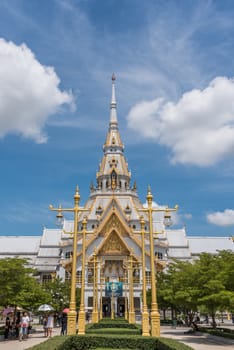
(50, 324)
(24, 326)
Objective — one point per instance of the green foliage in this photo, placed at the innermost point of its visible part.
(117, 324)
(59, 293)
(18, 285)
(114, 331)
(118, 342)
(205, 284)
(221, 332)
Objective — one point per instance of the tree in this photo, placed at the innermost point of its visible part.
(216, 282)
(60, 291)
(206, 284)
(18, 285)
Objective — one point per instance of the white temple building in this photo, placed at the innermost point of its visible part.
(113, 232)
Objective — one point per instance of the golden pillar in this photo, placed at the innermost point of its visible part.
(112, 301)
(131, 294)
(81, 320)
(155, 315)
(95, 290)
(102, 279)
(145, 314)
(71, 320)
(125, 296)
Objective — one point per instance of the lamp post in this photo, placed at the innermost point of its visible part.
(131, 315)
(145, 314)
(102, 279)
(112, 301)
(81, 320)
(71, 322)
(155, 315)
(125, 296)
(95, 290)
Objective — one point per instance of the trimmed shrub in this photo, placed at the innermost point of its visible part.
(129, 342)
(220, 332)
(112, 325)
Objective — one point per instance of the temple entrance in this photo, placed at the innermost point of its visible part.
(121, 306)
(106, 306)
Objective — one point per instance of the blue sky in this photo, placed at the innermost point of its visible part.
(174, 65)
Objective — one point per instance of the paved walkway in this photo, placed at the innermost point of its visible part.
(34, 339)
(197, 341)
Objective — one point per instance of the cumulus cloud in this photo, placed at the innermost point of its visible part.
(225, 218)
(29, 93)
(198, 129)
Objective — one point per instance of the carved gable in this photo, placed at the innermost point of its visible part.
(113, 245)
(113, 224)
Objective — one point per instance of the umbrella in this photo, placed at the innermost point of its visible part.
(45, 307)
(66, 310)
(7, 310)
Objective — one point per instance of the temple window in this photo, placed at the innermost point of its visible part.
(46, 278)
(159, 255)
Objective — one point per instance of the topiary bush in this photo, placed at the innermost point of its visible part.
(129, 342)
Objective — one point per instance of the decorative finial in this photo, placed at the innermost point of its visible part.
(113, 78)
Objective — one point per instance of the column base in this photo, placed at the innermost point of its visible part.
(81, 323)
(145, 324)
(95, 317)
(132, 318)
(126, 316)
(71, 323)
(155, 324)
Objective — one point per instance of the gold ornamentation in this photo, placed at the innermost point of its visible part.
(113, 245)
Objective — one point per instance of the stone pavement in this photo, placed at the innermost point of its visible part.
(197, 341)
(34, 339)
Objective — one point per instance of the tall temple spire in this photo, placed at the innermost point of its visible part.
(113, 105)
(113, 173)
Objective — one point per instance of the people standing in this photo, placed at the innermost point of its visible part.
(7, 327)
(24, 327)
(50, 324)
(17, 325)
(44, 322)
(64, 324)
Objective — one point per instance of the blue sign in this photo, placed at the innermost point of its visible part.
(114, 289)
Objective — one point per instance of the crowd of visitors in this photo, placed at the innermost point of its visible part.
(19, 325)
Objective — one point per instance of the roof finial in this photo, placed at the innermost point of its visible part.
(113, 114)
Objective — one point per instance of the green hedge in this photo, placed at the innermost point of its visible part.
(115, 320)
(129, 342)
(112, 325)
(220, 332)
(113, 331)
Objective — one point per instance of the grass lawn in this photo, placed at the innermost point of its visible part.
(50, 344)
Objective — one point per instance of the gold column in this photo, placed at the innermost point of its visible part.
(155, 315)
(145, 314)
(71, 320)
(112, 302)
(101, 280)
(95, 291)
(131, 295)
(125, 296)
(81, 320)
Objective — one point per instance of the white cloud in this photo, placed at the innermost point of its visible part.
(29, 92)
(225, 218)
(199, 128)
